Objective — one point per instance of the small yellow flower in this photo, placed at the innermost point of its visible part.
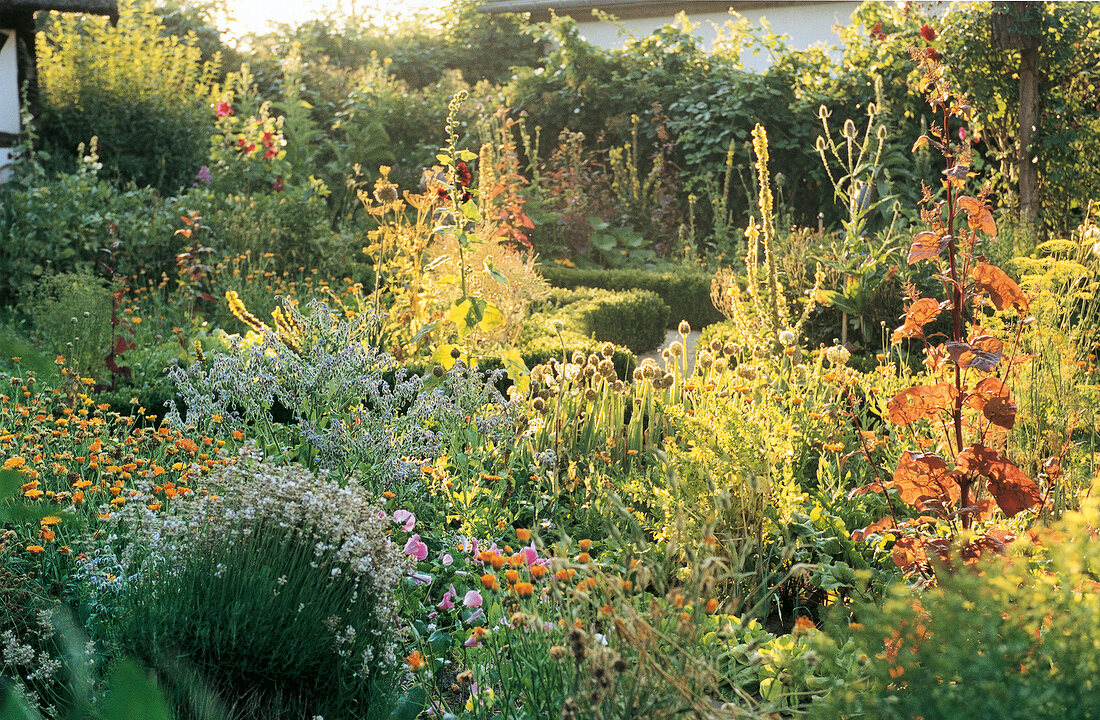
(50, 520)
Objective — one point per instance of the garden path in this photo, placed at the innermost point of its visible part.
(672, 336)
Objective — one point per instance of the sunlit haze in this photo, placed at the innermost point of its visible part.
(255, 15)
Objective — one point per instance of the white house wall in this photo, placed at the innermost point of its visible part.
(804, 25)
(9, 95)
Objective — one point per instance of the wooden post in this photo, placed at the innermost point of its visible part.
(1016, 25)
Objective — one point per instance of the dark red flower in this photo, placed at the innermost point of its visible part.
(240, 142)
(927, 33)
(962, 134)
(250, 148)
(877, 33)
(267, 139)
(442, 194)
(932, 54)
(269, 153)
(278, 184)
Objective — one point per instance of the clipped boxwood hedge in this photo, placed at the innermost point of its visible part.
(635, 319)
(686, 292)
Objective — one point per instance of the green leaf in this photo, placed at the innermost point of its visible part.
(411, 705)
(442, 355)
(10, 482)
(491, 317)
(494, 273)
(424, 330)
(516, 369)
(444, 159)
(466, 155)
(470, 211)
(133, 693)
(439, 641)
(14, 707)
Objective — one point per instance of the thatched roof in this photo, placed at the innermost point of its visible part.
(91, 7)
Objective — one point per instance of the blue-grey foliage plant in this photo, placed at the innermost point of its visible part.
(314, 390)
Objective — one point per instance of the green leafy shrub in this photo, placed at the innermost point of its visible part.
(144, 94)
(687, 293)
(278, 591)
(63, 223)
(1011, 638)
(71, 316)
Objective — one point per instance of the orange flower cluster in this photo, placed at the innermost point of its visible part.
(78, 455)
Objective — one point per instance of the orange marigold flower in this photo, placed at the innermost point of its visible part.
(711, 606)
(34, 494)
(496, 561)
(524, 589)
(803, 625)
(49, 520)
(490, 581)
(523, 534)
(585, 544)
(584, 558)
(14, 463)
(565, 574)
(416, 661)
(388, 495)
(511, 576)
(587, 584)
(538, 571)
(35, 549)
(47, 534)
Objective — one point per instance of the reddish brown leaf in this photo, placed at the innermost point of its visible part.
(923, 476)
(982, 353)
(919, 314)
(922, 401)
(1010, 487)
(908, 552)
(992, 398)
(1002, 290)
(927, 245)
(978, 215)
(876, 528)
(864, 489)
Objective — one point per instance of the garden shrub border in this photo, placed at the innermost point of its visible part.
(687, 293)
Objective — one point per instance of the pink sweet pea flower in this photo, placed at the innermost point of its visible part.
(448, 600)
(415, 548)
(405, 517)
(472, 599)
(447, 559)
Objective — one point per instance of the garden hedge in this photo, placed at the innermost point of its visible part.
(687, 293)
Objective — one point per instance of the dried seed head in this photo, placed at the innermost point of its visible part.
(590, 394)
(730, 349)
(684, 327)
(608, 350)
(606, 368)
(716, 345)
(578, 358)
(676, 349)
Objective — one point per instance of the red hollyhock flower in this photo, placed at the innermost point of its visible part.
(442, 194)
(278, 184)
(269, 154)
(250, 148)
(927, 33)
(932, 54)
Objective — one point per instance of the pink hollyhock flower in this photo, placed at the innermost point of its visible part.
(405, 517)
(530, 555)
(224, 109)
(415, 548)
(473, 599)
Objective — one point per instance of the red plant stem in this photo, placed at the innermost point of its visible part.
(956, 317)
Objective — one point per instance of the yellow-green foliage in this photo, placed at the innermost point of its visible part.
(1015, 638)
(144, 93)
